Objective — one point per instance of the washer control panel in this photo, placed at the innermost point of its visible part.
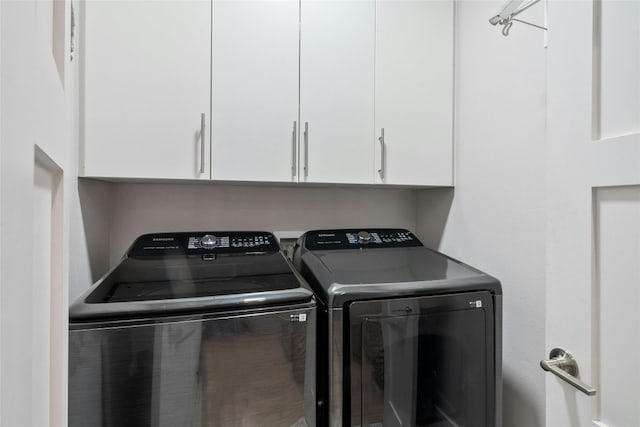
(208, 241)
(200, 243)
(359, 239)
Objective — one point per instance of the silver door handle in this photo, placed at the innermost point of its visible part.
(202, 123)
(562, 364)
(293, 150)
(306, 149)
(382, 153)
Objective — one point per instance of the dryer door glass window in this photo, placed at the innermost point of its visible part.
(422, 362)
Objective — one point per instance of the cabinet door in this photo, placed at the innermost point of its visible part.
(255, 90)
(146, 86)
(337, 90)
(414, 91)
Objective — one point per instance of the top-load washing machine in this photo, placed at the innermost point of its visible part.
(406, 335)
(203, 329)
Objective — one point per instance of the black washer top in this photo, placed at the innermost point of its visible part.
(170, 272)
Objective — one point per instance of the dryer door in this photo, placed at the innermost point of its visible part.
(425, 361)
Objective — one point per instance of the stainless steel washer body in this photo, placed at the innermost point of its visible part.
(195, 329)
(412, 337)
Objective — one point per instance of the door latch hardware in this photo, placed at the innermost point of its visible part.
(562, 364)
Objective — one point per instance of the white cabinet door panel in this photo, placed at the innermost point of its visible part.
(254, 89)
(146, 84)
(414, 91)
(337, 90)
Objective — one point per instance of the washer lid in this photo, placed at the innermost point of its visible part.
(170, 274)
(166, 279)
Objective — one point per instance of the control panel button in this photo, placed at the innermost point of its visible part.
(208, 241)
(249, 242)
(364, 237)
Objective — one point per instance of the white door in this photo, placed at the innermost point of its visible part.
(337, 47)
(255, 90)
(146, 87)
(414, 92)
(593, 249)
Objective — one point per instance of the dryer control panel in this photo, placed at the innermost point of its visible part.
(359, 239)
(204, 242)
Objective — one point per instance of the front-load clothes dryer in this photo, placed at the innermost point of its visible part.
(206, 329)
(406, 335)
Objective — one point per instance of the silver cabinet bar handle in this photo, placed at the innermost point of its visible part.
(382, 153)
(202, 124)
(562, 364)
(293, 150)
(306, 149)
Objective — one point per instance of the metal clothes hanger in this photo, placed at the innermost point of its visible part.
(506, 16)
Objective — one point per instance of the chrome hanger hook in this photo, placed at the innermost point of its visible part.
(506, 27)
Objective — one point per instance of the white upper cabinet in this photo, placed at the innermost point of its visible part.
(146, 87)
(269, 90)
(255, 90)
(337, 48)
(414, 92)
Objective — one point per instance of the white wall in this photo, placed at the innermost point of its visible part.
(90, 234)
(37, 108)
(495, 217)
